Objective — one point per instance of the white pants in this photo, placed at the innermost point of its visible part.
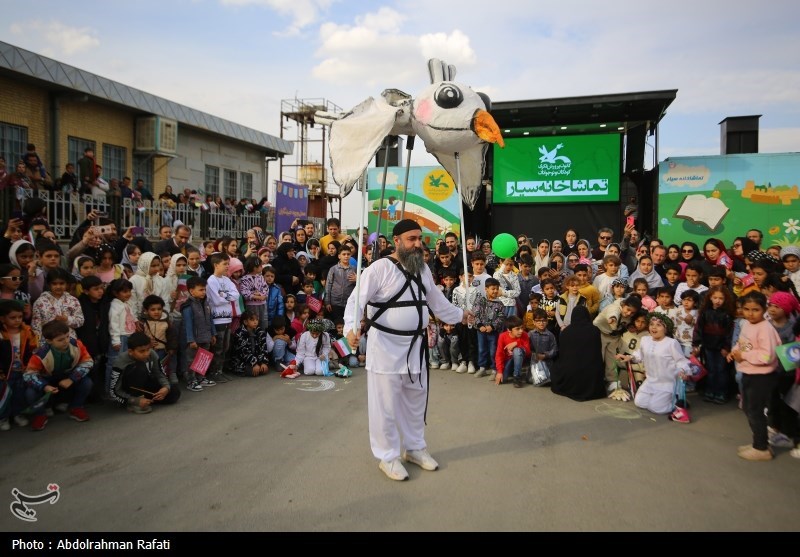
(396, 413)
(657, 399)
(311, 366)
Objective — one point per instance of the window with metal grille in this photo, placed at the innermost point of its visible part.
(13, 140)
(247, 185)
(212, 181)
(115, 160)
(230, 184)
(142, 168)
(75, 147)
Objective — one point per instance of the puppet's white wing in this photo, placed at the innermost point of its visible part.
(356, 137)
(472, 163)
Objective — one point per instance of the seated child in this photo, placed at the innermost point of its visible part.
(447, 343)
(666, 367)
(60, 367)
(283, 344)
(158, 327)
(513, 347)
(17, 345)
(313, 348)
(137, 379)
(350, 361)
(251, 347)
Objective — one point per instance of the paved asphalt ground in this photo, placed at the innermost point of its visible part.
(271, 454)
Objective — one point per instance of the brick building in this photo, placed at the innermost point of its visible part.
(62, 109)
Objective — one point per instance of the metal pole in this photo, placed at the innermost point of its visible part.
(463, 230)
(383, 193)
(409, 148)
(359, 259)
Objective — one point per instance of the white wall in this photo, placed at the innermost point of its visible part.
(196, 149)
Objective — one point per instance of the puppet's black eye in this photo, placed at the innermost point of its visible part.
(448, 96)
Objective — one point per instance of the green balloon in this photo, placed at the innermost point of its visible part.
(504, 245)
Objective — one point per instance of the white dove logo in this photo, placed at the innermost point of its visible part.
(550, 156)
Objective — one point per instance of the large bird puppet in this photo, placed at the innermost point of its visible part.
(450, 118)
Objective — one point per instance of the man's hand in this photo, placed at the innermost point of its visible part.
(353, 337)
(128, 234)
(329, 308)
(468, 318)
(92, 216)
(161, 393)
(144, 402)
(213, 341)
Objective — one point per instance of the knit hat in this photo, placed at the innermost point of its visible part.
(790, 250)
(786, 301)
(619, 282)
(668, 324)
(404, 226)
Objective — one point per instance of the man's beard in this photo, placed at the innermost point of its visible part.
(412, 259)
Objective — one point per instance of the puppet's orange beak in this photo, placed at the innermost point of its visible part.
(486, 128)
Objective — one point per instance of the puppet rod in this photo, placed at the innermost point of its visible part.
(359, 257)
(409, 148)
(463, 231)
(383, 194)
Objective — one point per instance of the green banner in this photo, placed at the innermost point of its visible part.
(563, 169)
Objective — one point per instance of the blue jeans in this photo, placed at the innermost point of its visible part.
(280, 353)
(487, 346)
(79, 390)
(448, 349)
(717, 381)
(514, 364)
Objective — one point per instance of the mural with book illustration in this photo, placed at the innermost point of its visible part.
(724, 196)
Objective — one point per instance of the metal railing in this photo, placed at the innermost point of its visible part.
(67, 211)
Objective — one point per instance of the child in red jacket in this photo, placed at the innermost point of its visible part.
(513, 347)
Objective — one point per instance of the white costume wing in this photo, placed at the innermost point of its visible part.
(472, 163)
(356, 137)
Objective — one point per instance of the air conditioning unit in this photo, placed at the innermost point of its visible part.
(155, 134)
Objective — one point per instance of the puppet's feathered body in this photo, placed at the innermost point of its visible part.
(449, 117)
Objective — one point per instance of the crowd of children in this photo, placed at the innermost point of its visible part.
(132, 322)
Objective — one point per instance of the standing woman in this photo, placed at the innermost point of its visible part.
(491, 259)
(299, 239)
(570, 242)
(741, 246)
(542, 256)
(556, 247)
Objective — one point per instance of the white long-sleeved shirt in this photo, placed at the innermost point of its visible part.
(307, 346)
(121, 320)
(386, 353)
(221, 291)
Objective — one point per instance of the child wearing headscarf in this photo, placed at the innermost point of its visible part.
(666, 367)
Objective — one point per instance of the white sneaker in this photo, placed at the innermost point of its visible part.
(471, 368)
(61, 407)
(434, 366)
(48, 412)
(781, 441)
(454, 367)
(795, 453)
(481, 372)
(421, 458)
(462, 368)
(21, 420)
(492, 375)
(394, 470)
(612, 386)
(4, 425)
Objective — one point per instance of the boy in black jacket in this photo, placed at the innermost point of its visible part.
(137, 379)
(251, 347)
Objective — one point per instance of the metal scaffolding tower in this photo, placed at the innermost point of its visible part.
(309, 163)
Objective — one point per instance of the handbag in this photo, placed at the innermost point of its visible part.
(540, 373)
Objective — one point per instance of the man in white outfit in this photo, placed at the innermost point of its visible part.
(397, 292)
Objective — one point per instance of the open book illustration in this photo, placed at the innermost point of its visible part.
(702, 210)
